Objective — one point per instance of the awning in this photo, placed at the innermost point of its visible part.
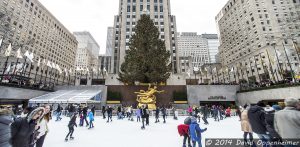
(70, 96)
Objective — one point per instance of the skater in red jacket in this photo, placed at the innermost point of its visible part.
(183, 130)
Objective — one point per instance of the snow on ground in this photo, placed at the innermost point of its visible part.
(124, 133)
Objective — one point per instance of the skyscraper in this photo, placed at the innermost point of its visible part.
(258, 38)
(87, 52)
(191, 44)
(130, 12)
(109, 41)
(213, 45)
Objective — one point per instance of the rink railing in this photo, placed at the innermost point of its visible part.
(181, 112)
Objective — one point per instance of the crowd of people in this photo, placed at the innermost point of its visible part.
(29, 127)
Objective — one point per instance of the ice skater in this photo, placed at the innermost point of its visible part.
(183, 130)
(91, 118)
(109, 113)
(71, 125)
(195, 132)
(143, 113)
(138, 114)
(157, 115)
(103, 112)
(164, 113)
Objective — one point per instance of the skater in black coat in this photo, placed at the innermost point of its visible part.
(103, 112)
(164, 113)
(71, 125)
(22, 129)
(144, 115)
(157, 115)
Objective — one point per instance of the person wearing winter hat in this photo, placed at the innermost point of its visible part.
(269, 118)
(195, 132)
(286, 121)
(22, 129)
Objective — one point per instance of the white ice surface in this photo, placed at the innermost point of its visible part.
(124, 133)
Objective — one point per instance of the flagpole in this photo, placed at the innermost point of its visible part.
(236, 75)
(262, 64)
(229, 81)
(257, 69)
(296, 48)
(69, 78)
(212, 76)
(63, 79)
(29, 71)
(217, 75)
(36, 70)
(24, 66)
(46, 74)
(292, 71)
(5, 66)
(201, 76)
(271, 68)
(15, 68)
(279, 67)
(223, 76)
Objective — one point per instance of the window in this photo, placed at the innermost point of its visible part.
(128, 8)
(155, 9)
(161, 9)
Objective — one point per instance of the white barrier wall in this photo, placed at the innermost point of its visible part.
(270, 94)
(212, 93)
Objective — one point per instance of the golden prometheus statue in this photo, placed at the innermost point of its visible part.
(147, 97)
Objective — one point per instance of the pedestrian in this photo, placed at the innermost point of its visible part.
(119, 111)
(5, 121)
(147, 115)
(58, 112)
(93, 110)
(183, 130)
(91, 118)
(103, 112)
(256, 115)
(157, 115)
(71, 125)
(286, 121)
(109, 113)
(138, 114)
(143, 113)
(195, 132)
(216, 112)
(84, 113)
(81, 119)
(269, 118)
(22, 129)
(164, 113)
(42, 124)
(190, 110)
(228, 112)
(246, 127)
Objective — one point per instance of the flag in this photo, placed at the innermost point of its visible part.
(26, 54)
(215, 69)
(188, 73)
(39, 62)
(78, 68)
(278, 53)
(19, 54)
(196, 69)
(66, 72)
(19, 67)
(94, 70)
(104, 69)
(70, 71)
(87, 71)
(49, 64)
(205, 69)
(54, 65)
(44, 61)
(8, 50)
(31, 57)
(1, 42)
(8, 69)
(232, 69)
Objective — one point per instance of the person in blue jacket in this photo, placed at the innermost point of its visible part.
(91, 117)
(195, 132)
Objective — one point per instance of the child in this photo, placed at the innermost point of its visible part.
(138, 114)
(91, 117)
(71, 125)
(195, 132)
(183, 130)
(81, 120)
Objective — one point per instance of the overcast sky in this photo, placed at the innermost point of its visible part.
(96, 15)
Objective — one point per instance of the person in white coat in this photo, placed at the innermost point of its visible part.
(42, 124)
(287, 121)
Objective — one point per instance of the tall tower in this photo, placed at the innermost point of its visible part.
(130, 12)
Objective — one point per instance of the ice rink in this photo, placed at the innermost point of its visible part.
(124, 133)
